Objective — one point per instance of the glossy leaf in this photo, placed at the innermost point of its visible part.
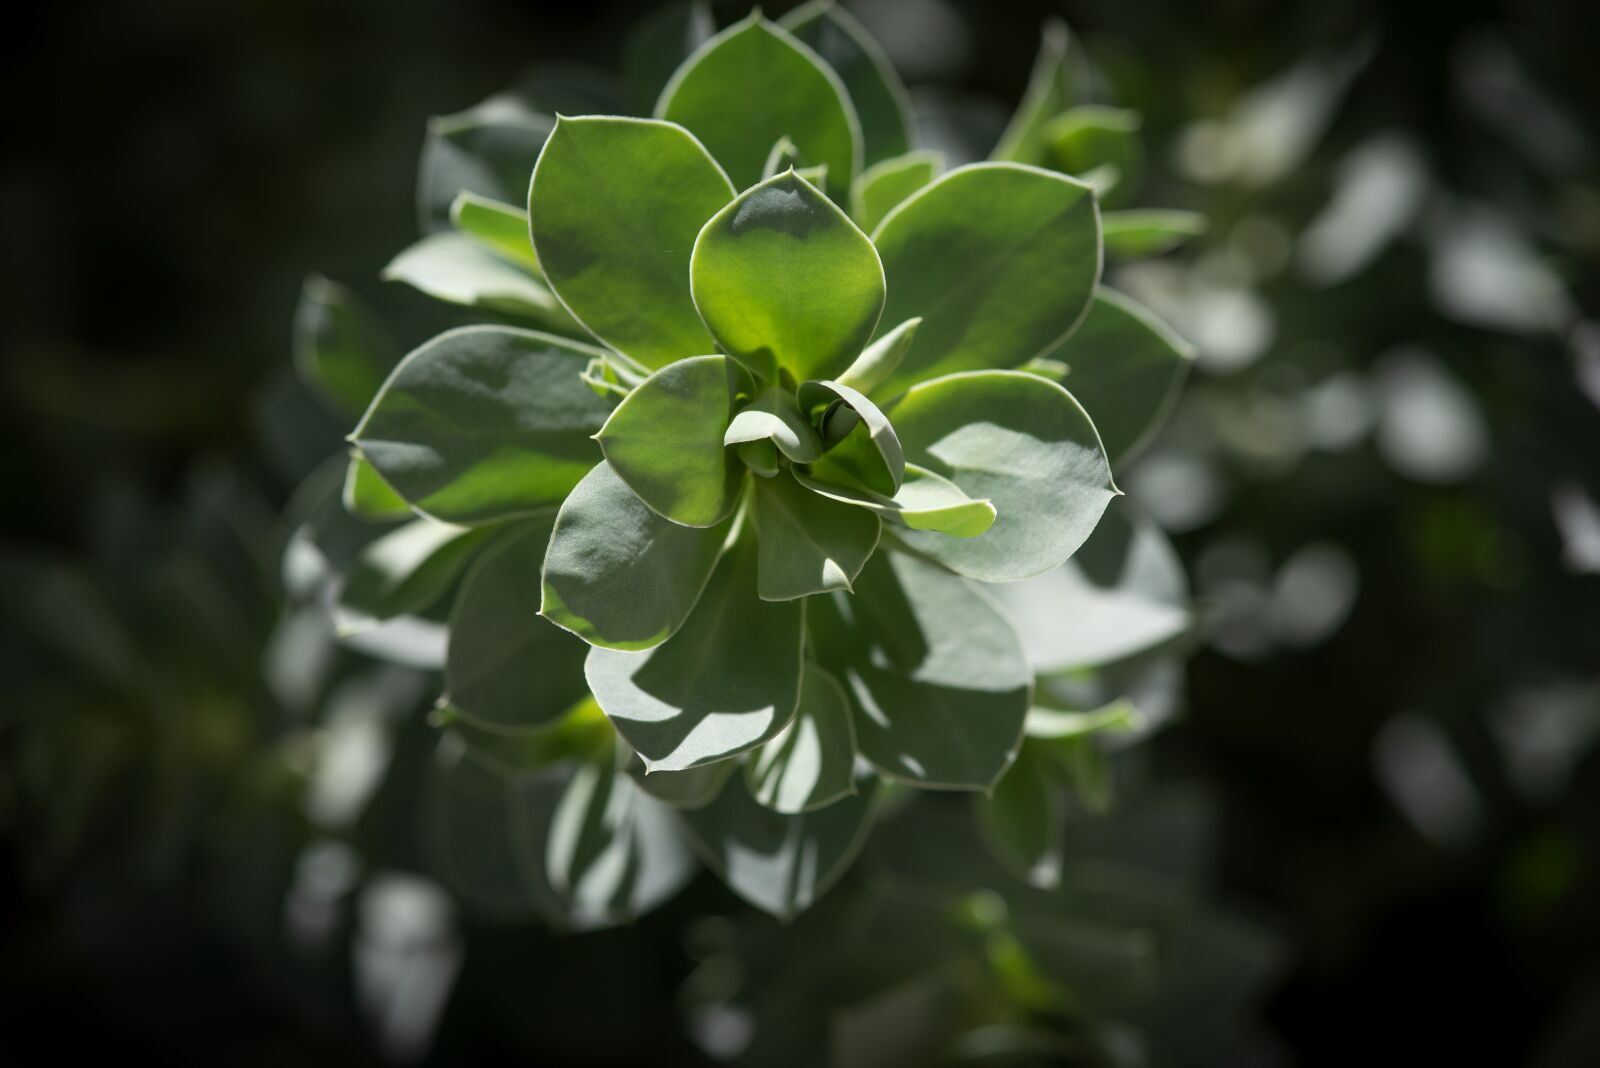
(780, 864)
(726, 682)
(1100, 145)
(774, 416)
(507, 668)
(665, 439)
(618, 575)
(882, 186)
(341, 350)
(1135, 232)
(614, 209)
(926, 501)
(1126, 368)
(808, 543)
(861, 442)
(880, 99)
(812, 763)
(500, 227)
(367, 496)
(1000, 261)
(1025, 818)
(459, 269)
(404, 571)
(484, 423)
(1021, 442)
(1048, 94)
(488, 149)
(783, 278)
(754, 83)
(934, 670)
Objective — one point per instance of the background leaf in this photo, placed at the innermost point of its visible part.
(812, 763)
(886, 183)
(501, 227)
(1048, 94)
(1135, 232)
(340, 349)
(1025, 818)
(869, 78)
(458, 268)
(367, 496)
(404, 571)
(488, 149)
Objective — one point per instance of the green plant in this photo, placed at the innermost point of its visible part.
(771, 510)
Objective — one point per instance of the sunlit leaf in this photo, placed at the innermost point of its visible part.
(404, 571)
(460, 269)
(501, 227)
(367, 496)
(812, 763)
(926, 501)
(886, 183)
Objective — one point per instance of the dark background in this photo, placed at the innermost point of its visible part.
(173, 169)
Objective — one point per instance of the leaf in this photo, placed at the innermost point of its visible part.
(783, 278)
(861, 442)
(615, 206)
(616, 574)
(488, 150)
(498, 226)
(780, 864)
(1025, 819)
(1048, 94)
(808, 543)
(811, 764)
(1022, 442)
(1123, 593)
(1126, 367)
(774, 416)
(782, 156)
(935, 673)
(886, 183)
(687, 789)
(665, 439)
(870, 81)
(879, 359)
(1000, 260)
(926, 501)
(484, 423)
(367, 496)
(658, 43)
(1118, 717)
(754, 83)
(614, 853)
(1133, 233)
(1099, 144)
(403, 572)
(726, 682)
(459, 269)
(507, 668)
(340, 350)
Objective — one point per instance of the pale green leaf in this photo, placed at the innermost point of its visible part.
(459, 269)
(1048, 94)
(726, 682)
(1132, 233)
(926, 501)
(808, 543)
(617, 574)
(782, 156)
(1022, 442)
(341, 351)
(1120, 716)
(754, 83)
(783, 278)
(882, 186)
(615, 206)
(1025, 819)
(879, 359)
(1000, 260)
(812, 763)
(862, 445)
(404, 571)
(501, 227)
(488, 149)
(880, 98)
(1100, 141)
(774, 416)
(367, 496)
(934, 670)
(484, 422)
(665, 439)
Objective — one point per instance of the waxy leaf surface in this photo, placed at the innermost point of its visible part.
(808, 543)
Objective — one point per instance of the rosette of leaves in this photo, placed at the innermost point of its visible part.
(768, 488)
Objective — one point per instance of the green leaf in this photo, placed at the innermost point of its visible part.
(1126, 367)
(459, 269)
(1022, 442)
(403, 572)
(614, 853)
(507, 668)
(936, 675)
(880, 100)
(367, 496)
(1133, 233)
(783, 156)
(774, 416)
(1000, 260)
(808, 543)
(754, 83)
(488, 149)
(665, 439)
(1099, 144)
(1025, 819)
(1123, 593)
(1048, 94)
(1120, 716)
(498, 226)
(879, 359)
(484, 423)
(780, 864)
(341, 351)
(726, 682)
(656, 46)
(615, 206)
(783, 278)
(926, 501)
(882, 186)
(862, 444)
(617, 574)
(687, 789)
(812, 763)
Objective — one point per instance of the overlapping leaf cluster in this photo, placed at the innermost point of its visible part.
(782, 499)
